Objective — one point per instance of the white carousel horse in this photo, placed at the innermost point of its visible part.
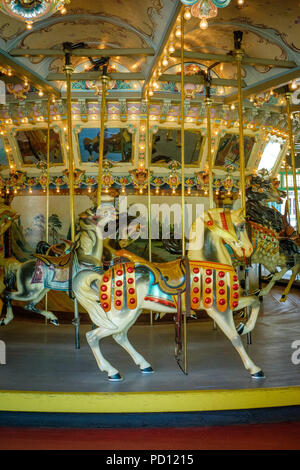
(115, 299)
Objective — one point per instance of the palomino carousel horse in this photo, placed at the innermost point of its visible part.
(115, 299)
(7, 217)
(56, 269)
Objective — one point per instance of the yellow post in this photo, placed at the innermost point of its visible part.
(47, 188)
(68, 71)
(287, 191)
(104, 80)
(208, 103)
(148, 161)
(288, 96)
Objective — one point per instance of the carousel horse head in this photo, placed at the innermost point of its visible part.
(230, 227)
(264, 188)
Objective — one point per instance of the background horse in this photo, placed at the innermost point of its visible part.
(115, 299)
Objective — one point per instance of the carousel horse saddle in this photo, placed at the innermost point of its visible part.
(170, 276)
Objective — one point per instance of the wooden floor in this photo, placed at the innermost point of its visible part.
(42, 357)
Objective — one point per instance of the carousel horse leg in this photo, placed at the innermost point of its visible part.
(8, 312)
(254, 303)
(34, 297)
(276, 277)
(93, 338)
(295, 271)
(122, 340)
(226, 324)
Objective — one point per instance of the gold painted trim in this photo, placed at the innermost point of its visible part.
(143, 402)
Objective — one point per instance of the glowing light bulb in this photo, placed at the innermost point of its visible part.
(240, 3)
(171, 48)
(232, 107)
(165, 61)
(294, 85)
(187, 14)
(29, 24)
(178, 32)
(203, 23)
(41, 93)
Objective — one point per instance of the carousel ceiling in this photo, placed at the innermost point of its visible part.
(140, 37)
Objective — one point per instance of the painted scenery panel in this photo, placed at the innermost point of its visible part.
(3, 156)
(33, 146)
(167, 146)
(117, 145)
(228, 151)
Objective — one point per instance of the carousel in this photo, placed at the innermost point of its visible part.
(149, 220)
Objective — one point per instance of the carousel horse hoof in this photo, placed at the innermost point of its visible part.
(115, 378)
(258, 375)
(147, 370)
(194, 317)
(157, 316)
(2, 322)
(240, 328)
(54, 322)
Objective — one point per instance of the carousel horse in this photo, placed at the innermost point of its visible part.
(55, 269)
(7, 217)
(115, 299)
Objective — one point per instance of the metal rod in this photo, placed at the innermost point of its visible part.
(182, 171)
(288, 96)
(47, 188)
(148, 161)
(208, 103)
(68, 72)
(287, 190)
(104, 80)
(239, 53)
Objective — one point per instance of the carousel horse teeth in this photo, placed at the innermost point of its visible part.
(147, 370)
(258, 375)
(115, 378)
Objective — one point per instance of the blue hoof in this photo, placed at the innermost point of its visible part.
(54, 322)
(2, 323)
(240, 328)
(115, 378)
(147, 370)
(258, 375)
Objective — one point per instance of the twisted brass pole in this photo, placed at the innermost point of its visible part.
(288, 97)
(68, 71)
(208, 103)
(104, 80)
(239, 53)
(148, 162)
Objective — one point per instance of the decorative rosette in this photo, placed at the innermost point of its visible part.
(16, 179)
(139, 178)
(157, 181)
(43, 181)
(189, 183)
(217, 184)
(122, 181)
(173, 180)
(30, 182)
(58, 181)
(90, 181)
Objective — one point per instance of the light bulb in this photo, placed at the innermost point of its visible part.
(28, 24)
(187, 14)
(41, 93)
(232, 107)
(165, 61)
(203, 23)
(294, 86)
(178, 32)
(240, 3)
(171, 48)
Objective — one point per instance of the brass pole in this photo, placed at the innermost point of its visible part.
(288, 96)
(287, 190)
(208, 103)
(68, 71)
(148, 161)
(182, 171)
(104, 80)
(47, 188)
(239, 53)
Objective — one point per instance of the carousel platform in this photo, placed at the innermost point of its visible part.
(44, 373)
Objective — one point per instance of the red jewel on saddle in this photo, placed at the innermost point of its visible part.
(235, 295)
(130, 280)
(210, 222)
(222, 301)
(119, 283)
(221, 274)
(235, 286)
(132, 301)
(207, 300)
(131, 290)
(221, 283)
(196, 290)
(195, 300)
(196, 279)
(235, 304)
(222, 291)
(208, 280)
(119, 293)
(196, 270)
(118, 303)
(103, 296)
(209, 272)
(130, 269)
(208, 290)
(235, 278)
(105, 305)
(103, 288)
(105, 279)
(119, 272)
